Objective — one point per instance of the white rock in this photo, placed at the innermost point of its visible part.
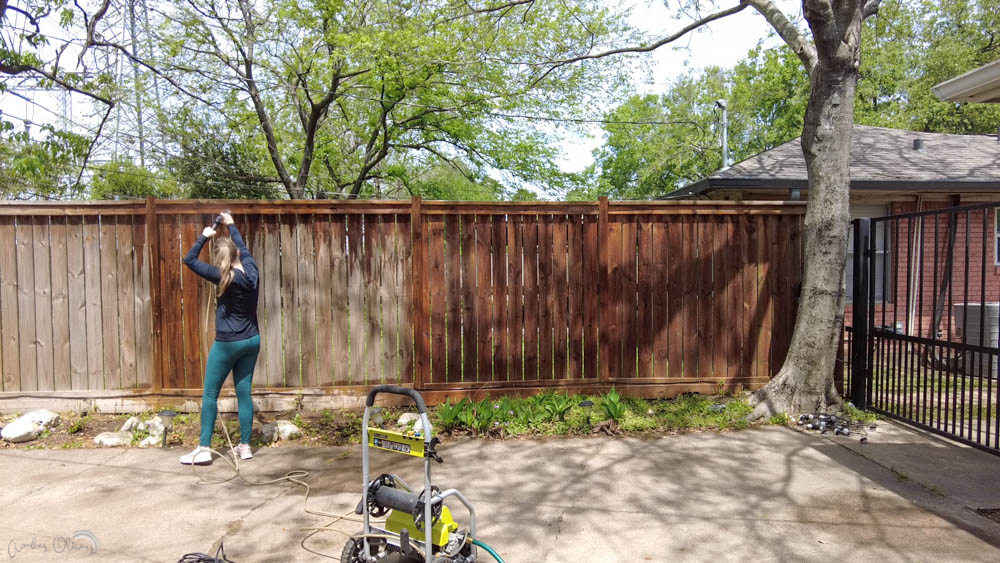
(153, 426)
(151, 441)
(268, 433)
(408, 418)
(112, 439)
(28, 426)
(130, 424)
(286, 430)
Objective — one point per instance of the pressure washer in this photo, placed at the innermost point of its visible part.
(419, 527)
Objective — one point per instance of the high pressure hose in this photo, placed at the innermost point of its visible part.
(488, 550)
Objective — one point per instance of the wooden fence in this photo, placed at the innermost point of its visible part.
(451, 298)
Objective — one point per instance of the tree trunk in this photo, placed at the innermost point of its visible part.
(805, 381)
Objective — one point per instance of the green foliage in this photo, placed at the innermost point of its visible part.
(44, 167)
(854, 413)
(76, 427)
(780, 419)
(531, 413)
(448, 413)
(214, 165)
(612, 405)
(557, 405)
(123, 179)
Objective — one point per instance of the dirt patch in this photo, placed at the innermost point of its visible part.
(991, 513)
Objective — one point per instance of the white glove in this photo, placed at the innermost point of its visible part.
(209, 232)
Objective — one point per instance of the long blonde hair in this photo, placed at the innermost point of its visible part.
(225, 255)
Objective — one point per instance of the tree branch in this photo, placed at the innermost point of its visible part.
(791, 35)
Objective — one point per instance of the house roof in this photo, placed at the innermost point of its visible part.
(981, 85)
(881, 158)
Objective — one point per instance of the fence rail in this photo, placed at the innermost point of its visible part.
(442, 296)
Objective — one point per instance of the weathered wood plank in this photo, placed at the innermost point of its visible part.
(43, 303)
(690, 302)
(629, 305)
(614, 305)
(270, 287)
(194, 318)
(109, 303)
(404, 272)
(59, 244)
(307, 298)
(291, 368)
(453, 303)
(720, 298)
(389, 292)
(751, 305)
(646, 333)
(126, 302)
(341, 300)
(26, 304)
(436, 288)
(77, 281)
(765, 302)
(10, 349)
(142, 278)
(170, 299)
(734, 292)
(324, 300)
(373, 319)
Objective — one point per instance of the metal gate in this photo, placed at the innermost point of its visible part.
(924, 295)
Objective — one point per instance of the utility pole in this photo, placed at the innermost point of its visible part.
(721, 104)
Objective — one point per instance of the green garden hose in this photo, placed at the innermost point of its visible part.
(488, 550)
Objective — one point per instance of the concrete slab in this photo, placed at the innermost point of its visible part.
(769, 494)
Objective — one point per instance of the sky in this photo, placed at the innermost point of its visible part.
(722, 43)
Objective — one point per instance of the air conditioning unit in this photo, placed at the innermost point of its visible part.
(976, 323)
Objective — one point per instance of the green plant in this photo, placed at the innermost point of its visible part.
(486, 415)
(557, 405)
(467, 416)
(530, 413)
(76, 426)
(780, 419)
(854, 413)
(448, 413)
(613, 406)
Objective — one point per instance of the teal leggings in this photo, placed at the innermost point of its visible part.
(238, 357)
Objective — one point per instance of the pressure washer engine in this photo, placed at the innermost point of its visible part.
(419, 527)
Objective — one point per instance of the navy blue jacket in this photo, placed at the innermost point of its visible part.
(236, 311)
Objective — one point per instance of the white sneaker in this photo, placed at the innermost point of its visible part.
(243, 450)
(198, 456)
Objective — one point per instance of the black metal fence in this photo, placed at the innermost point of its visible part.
(925, 340)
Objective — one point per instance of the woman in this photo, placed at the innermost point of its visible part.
(237, 339)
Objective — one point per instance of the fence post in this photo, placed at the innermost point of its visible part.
(604, 364)
(153, 242)
(418, 319)
(859, 356)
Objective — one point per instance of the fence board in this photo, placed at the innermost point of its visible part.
(576, 296)
(706, 237)
(43, 303)
(734, 292)
(629, 288)
(324, 305)
(659, 260)
(170, 300)
(250, 229)
(404, 265)
(614, 316)
(720, 298)
(194, 318)
(61, 372)
(690, 300)
(270, 286)
(676, 274)
(307, 298)
(558, 292)
(291, 368)
(499, 254)
(453, 303)
(389, 291)
(141, 275)
(126, 302)
(529, 234)
(373, 342)
(765, 302)
(10, 348)
(484, 309)
(751, 304)
(515, 299)
(26, 305)
(341, 300)
(591, 288)
(645, 308)
(435, 273)
(468, 294)
(77, 293)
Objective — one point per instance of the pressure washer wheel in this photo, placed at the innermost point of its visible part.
(377, 548)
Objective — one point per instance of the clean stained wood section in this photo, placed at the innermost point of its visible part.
(439, 295)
